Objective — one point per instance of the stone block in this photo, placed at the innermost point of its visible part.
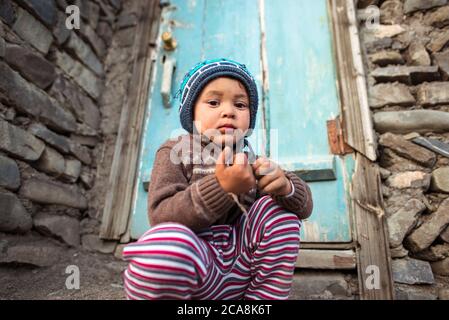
(13, 215)
(32, 31)
(48, 192)
(412, 271)
(422, 237)
(19, 143)
(9, 174)
(31, 66)
(63, 228)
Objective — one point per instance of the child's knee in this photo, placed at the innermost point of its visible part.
(267, 216)
(167, 243)
(167, 258)
(266, 207)
(172, 229)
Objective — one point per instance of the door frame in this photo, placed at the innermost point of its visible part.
(370, 239)
(121, 184)
(368, 215)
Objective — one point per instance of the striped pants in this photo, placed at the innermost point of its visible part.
(252, 259)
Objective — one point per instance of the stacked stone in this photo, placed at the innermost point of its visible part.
(51, 81)
(407, 62)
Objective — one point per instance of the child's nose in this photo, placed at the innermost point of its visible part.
(228, 109)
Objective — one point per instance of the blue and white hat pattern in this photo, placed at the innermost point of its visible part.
(197, 78)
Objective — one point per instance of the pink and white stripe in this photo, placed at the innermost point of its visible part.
(252, 259)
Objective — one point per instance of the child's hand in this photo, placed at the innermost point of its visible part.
(271, 177)
(237, 178)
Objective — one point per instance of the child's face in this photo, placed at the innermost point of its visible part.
(223, 105)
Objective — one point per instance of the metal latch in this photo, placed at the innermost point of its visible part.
(167, 78)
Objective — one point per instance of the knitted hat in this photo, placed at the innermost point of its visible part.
(200, 75)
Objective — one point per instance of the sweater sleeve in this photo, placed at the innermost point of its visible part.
(300, 202)
(172, 199)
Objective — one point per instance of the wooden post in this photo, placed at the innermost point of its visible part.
(369, 227)
(117, 208)
(356, 115)
(370, 232)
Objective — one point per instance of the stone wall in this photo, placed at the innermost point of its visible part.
(57, 125)
(61, 93)
(407, 63)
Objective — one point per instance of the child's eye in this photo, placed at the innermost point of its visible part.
(240, 105)
(214, 103)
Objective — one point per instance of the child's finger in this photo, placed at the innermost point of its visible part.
(267, 168)
(265, 181)
(259, 161)
(241, 159)
(224, 158)
(273, 186)
(259, 169)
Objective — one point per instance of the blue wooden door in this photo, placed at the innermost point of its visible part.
(300, 97)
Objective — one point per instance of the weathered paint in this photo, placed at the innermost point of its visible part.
(330, 219)
(299, 98)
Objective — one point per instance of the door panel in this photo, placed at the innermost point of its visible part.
(302, 95)
(194, 26)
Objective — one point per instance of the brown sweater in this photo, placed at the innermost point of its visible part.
(185, 191)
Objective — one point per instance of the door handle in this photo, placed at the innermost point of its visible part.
(169, 41)
(167, 78)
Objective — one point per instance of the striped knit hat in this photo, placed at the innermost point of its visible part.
(198, 77)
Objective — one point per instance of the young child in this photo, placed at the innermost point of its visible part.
(223, 225)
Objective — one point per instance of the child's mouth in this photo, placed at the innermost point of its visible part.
(227, 125)
(226, 129)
